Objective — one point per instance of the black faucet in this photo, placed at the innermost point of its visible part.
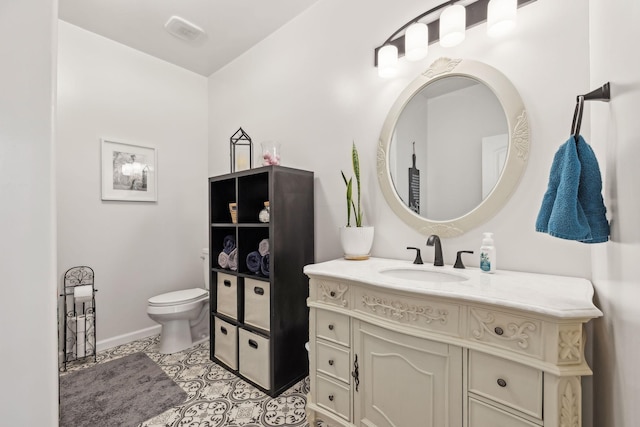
(434, 240)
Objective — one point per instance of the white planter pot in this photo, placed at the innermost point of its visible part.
(356, 242)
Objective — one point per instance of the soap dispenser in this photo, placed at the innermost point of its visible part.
(487, 254)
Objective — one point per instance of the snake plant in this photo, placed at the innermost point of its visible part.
(351, 204)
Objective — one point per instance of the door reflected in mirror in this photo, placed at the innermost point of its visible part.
(448, 148)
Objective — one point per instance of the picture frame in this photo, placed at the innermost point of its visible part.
(129, 172)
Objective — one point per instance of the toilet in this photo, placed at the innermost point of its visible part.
(184, 315)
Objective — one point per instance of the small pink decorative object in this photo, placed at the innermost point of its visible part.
(270, 153)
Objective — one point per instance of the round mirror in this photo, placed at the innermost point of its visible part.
(453, 147)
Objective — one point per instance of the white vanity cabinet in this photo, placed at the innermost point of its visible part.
(487, 351)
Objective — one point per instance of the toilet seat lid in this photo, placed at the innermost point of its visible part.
(178, 297)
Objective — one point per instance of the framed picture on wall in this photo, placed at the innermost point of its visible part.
(129, 172)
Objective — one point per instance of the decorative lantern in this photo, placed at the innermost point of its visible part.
(241, 151)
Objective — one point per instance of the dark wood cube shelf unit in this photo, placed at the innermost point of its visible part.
(259, 322)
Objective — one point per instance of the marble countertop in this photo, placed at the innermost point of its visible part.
(557, 296)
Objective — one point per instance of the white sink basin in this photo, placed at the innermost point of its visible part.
(422, 275)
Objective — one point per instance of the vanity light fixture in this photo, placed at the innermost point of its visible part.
(453, 24)
(388, 61)
(501, 17)
(416, 41)
(413, 38)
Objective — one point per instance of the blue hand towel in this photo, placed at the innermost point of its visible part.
(253, 261)
(229, 244)
(264, 264)
(572, 208)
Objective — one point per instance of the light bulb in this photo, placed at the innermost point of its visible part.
(501, 16)
(416, 41)
(453, 22)
(388, 61)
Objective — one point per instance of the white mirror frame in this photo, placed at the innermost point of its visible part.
(517, 154)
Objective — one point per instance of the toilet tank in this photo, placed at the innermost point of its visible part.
(205, 267)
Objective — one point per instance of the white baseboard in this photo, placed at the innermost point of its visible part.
(127, 338)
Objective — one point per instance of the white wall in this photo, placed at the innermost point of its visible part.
(616, 267)
(137, 249)
(312, 86)
(27, 213)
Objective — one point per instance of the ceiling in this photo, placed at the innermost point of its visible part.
(231, 26)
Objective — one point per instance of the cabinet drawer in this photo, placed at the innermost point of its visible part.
(257, 306)
(333, 396)
(226, 343)
(254, 357)
(412, 310)
(483, 415)
(333, 327)
(227, 295)
(333, 361)
(330, 292)
(507, 382)
(505, 330)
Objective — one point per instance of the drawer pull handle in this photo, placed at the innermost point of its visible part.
(498, 330)
(258, 290)
(501, 382)
(330, 362)
(223, 330)
(333, 294)
(331, 326)
(331, 397)
(227, 283)
(253, 344)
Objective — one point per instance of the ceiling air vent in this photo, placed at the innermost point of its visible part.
(183, 29)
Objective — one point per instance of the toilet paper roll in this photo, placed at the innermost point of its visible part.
(83, 293)
(90, 336)
(80, 336)
(71, 342)
(81, 323)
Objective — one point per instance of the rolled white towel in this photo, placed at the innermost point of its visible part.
(233, 260)
(223, 260)
(263, 247)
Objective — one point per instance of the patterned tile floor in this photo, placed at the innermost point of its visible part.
(216, 396)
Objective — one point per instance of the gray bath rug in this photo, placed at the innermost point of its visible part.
(123, 392)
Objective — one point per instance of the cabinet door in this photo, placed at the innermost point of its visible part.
(406, 381)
